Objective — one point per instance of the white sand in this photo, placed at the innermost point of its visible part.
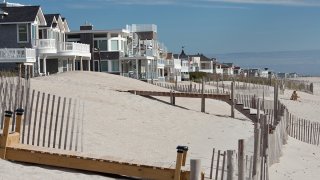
(132, 127)
(136, 128)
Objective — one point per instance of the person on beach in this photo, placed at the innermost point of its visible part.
(294, 96)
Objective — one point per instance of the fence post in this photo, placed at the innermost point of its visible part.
(230, 164)
(241, 160)
(256, 152)
(212, 160)
(19, 114)
(203, 100)
(195, 169)
(232, 99)
(5, 134)
(178, 164)
(275, 106)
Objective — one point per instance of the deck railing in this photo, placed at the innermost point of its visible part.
(76, 47)
(45, 43)
(17, 55)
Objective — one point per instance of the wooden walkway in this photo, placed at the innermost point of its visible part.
(223, 97)
(12, 149)
(80, 161)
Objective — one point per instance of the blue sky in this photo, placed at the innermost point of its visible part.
(205, 26)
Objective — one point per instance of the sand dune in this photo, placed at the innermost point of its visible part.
(136, 128)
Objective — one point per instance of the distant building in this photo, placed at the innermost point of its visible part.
(293, 75)
(282, 75)
(228, 69)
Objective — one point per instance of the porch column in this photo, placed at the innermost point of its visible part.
(81, 64)
(45, 65)
(74, 63)
(67, 64)
(89, 65)
(120, 67)
(137, 69)
(38, 61)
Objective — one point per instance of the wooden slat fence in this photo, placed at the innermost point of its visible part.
(303, 130)
(49, 120)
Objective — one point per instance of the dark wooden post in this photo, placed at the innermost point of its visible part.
(203, 100)
(232, 100)
(241, 160)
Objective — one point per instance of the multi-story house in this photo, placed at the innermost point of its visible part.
(144, 58)
(132, 52)
(228, 69)
(185, 65)
(172, 68)
(107, 47)
(31, 38)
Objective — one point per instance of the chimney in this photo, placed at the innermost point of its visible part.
(86, 26)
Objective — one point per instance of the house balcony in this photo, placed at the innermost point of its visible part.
(45, 46)
(17, 55)
(74, 49)
(160, 63)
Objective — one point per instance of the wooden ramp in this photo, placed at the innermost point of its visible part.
(11, 149)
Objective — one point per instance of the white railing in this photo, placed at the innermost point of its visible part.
(74, 47)
(17, 55)
(160, 62)
(45, 43)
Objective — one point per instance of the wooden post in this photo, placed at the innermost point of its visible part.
(203, 100)
(275, 103)
(223, 164)
(241, 169)
(217, 167)
(230, 164)
(212, 160)
(19, 114)
(256, 152)
(4, 138)
(178, 164)
(195, 169)
(232, 100)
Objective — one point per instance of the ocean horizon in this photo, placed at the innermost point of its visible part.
(305, 62)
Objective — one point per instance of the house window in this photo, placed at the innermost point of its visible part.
(115, 66)
(104, 66)
(33, 32)
(23, 33)
(101, 44)
(114, 45)
(114, 35)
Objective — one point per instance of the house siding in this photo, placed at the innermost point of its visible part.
(8, 36)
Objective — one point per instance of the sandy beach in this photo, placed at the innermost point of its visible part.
(132, 127)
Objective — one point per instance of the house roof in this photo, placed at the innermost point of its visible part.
(202, 57)
(49, 18)
(183, 55)
(20, 14)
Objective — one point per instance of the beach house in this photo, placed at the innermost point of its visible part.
(133, 51)
(172, 68)
(106, 46)
(144, 56)
(31, 38)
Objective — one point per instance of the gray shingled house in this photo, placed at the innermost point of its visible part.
(29, 37)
